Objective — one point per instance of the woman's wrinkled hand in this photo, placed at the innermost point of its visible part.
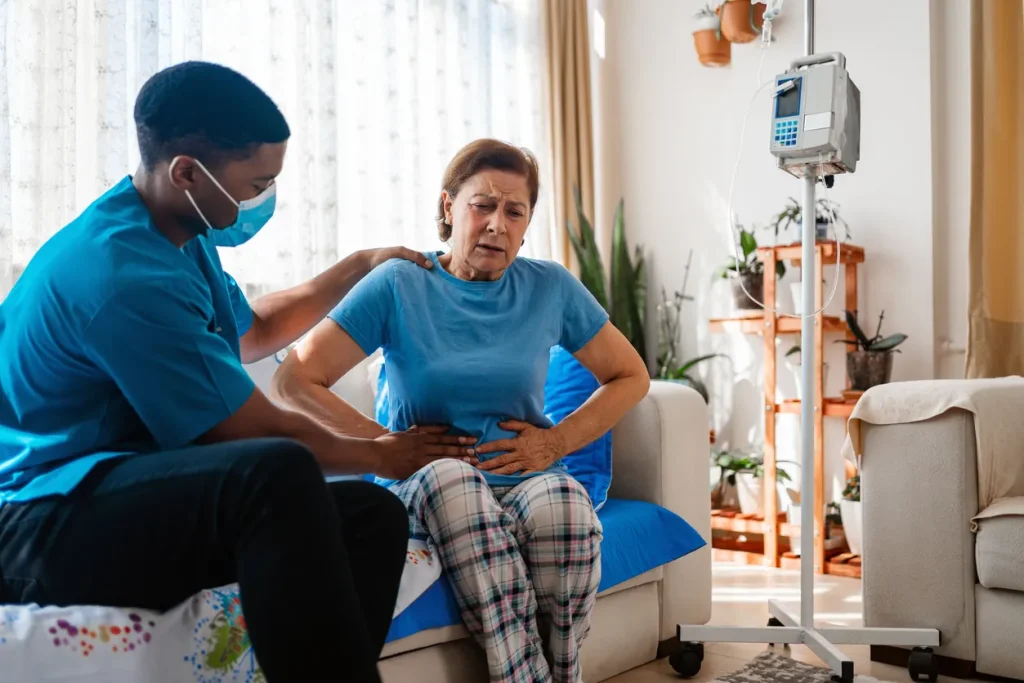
(402, 454)
(532, 450)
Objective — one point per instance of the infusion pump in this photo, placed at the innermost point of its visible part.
(816, 117)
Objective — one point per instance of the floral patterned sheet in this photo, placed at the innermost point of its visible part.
(203, 640)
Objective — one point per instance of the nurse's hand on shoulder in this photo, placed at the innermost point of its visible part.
(402, 454)
(533, 450)
(375, 257)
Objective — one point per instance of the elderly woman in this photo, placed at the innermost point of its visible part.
(466, 346)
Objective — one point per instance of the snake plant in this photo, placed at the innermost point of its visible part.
(627, 302)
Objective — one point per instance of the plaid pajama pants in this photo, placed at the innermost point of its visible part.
(511, 553)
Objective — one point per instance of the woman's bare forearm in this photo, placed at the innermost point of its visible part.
(325, 407)
(599, 413)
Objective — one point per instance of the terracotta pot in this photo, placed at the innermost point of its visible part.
(754, 283)
(868, 368)
(742, 20)
(712, 48)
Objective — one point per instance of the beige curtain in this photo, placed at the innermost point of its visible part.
(572, 139)
(996, 307)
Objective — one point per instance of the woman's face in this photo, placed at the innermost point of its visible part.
(489, 217)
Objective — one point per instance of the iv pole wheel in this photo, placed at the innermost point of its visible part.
(923, 666)
(773, 622)
(686, 659)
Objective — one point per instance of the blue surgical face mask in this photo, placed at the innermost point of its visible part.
(253, 214)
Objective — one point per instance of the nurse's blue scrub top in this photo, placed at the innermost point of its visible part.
(113, 342)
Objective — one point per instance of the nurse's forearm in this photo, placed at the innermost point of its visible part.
(259, 418)
(282, 317)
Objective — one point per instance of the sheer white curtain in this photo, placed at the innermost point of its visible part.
(379, 95)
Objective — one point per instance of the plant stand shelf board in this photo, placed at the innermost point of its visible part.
(834, 407)
(758, 324)
(848, 253)
(769, 325)
(837, 563)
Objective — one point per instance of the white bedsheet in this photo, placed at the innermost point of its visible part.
(202, 640)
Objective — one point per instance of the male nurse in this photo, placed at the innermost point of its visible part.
(139, 464)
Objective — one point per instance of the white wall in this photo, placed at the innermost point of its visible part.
(667, 136)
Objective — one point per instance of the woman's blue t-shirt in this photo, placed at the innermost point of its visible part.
(469, 354)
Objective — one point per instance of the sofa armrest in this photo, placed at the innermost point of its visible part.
(662, 455)
(919, 491)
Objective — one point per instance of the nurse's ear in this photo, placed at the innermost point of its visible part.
(182, 172)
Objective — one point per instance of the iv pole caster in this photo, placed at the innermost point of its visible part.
(922, 665)
(687, 658)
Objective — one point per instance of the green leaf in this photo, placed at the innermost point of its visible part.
(628, 286)
(889, 343)
(792, 351)
(747, 243)
(690, 364)
(851, 321)
(699, 387)
(584, 244)
(780, 269)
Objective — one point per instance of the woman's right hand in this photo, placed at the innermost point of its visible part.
(402, 454)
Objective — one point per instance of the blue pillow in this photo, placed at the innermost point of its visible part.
(568, 386)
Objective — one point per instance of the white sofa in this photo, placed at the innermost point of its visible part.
(923, 566)
(661, 455)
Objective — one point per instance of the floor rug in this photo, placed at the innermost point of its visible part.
(769, 667)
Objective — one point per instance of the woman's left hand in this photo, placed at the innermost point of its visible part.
(533, 450)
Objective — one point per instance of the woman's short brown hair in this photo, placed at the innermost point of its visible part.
(480, 155)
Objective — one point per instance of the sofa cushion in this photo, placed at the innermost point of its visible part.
(447, 634)
(999, 552)
(568, 386)
(638, 537)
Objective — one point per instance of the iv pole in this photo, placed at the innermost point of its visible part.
(784, 628)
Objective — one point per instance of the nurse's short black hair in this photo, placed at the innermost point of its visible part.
(206, 111)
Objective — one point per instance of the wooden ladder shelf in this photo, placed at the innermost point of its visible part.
(770, 326)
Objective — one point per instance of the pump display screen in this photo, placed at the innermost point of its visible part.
(788, 103)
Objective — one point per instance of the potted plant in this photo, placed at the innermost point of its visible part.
(627, 304)
(850, 511)
(750, 272)
(869, 363)
(669, 367)
(712, 48)
(824, 212)
(741, 20)
(745, 472)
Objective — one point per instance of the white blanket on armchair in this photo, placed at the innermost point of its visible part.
(998, 409)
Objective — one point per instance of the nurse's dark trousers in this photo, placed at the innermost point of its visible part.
(318, 564)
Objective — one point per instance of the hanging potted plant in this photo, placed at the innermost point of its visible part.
(749, 274)
(741, 20)
(869, 363)
(712, 48)
(850, 511)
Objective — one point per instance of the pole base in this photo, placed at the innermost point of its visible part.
(784, 628)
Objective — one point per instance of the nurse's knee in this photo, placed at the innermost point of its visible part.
(277, 463)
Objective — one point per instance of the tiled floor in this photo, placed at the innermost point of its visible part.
(741, 597)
